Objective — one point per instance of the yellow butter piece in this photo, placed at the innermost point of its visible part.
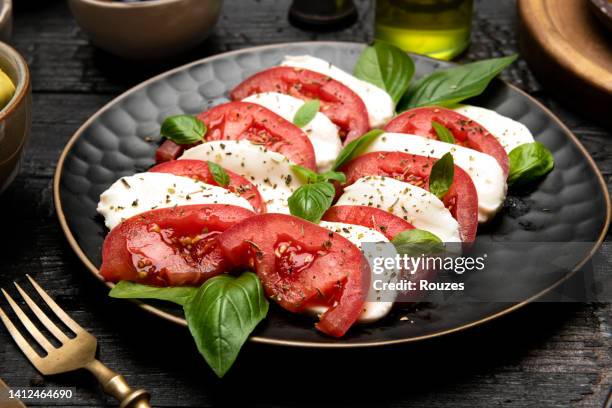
(7, 89)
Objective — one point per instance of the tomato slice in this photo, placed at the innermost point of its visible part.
(299, 262)
(199, 170)
(244, 120)
(461, 199)
(343, 106)
(380, 220)
(466, 132)
(167, 151)
(170, 246)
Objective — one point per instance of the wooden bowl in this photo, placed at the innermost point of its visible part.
(149, 30)
(570, 52)
(16, 116)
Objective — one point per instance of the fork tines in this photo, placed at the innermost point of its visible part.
(31, 328)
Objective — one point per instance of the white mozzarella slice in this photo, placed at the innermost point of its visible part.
(509, 132)
(373, 310)
(142, 192)
(417, 206)
(323, 134)
(485, 171)
(377, 101)
(269, 171)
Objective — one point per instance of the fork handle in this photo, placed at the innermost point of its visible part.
(115, 385)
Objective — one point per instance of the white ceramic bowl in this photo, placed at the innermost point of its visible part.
(148, 30)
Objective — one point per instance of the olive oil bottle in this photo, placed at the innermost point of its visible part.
(438, 28)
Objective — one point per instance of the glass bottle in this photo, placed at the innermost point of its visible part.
(438, 28)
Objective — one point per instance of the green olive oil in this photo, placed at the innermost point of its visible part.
(438, 28)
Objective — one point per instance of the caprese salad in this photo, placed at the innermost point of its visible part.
(270, 196)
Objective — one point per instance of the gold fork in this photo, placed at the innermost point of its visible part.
(72, 354)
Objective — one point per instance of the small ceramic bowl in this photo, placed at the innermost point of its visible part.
(16, 116)
(147, 30)
(6, 20)
(603, 10)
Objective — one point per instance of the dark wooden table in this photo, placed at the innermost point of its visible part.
(545, 355)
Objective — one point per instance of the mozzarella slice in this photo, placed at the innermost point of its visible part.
(322, 133)
(373, 310)
(269, 171)
(142, 192)
(377, 101)
(417, 206)
(509, 132)
(486, 173)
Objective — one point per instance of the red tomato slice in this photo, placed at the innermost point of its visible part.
(170, 246)
(243, 120)
(198, 169)
(298, 263)
(386, 223)
(167, 151)
(343, 106)
(466, 132)
(461, 199)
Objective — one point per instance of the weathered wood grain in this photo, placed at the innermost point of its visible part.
(546, 355)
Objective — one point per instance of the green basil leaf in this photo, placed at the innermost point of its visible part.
(529, 162)
(221, 316)
(183, 129)
(443, 133)
(131, 290)
(387, 67)
(219, 174)
(417, 242)
(449, 86)
(332, 175)
(305, 174)
(442, 175)
(306, 113)
(356, 147)
(308, 176)
(310, 201)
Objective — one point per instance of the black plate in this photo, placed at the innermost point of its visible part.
(112, 144)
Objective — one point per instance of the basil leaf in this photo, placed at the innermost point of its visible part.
(221, 316)
(443, 133)
(356, 147)
(387, 67)
(310, 177)
(529, 162)
(417, 242)
(310, 201)
(306, 113)
(219, 174)
(332, 175)
(131, 290)
(442, 175)
(183, 129)
(449, 86)
(305, 174)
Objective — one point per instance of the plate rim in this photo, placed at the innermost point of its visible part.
(298, 343)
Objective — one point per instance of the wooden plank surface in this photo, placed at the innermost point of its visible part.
(546, 355)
